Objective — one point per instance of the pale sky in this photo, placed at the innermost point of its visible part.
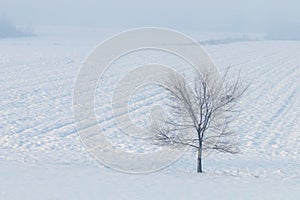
(268, 16)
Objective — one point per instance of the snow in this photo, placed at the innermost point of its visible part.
(42, 157)
(27, 181)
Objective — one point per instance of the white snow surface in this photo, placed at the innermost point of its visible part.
(42, 157)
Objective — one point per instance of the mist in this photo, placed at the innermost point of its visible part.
(277, 18)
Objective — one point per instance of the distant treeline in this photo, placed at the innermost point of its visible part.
(8, 29)
(228, 40)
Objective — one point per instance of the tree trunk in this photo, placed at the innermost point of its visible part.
(199, 165)
(199, 159)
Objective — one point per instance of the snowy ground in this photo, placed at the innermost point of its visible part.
(41, 156)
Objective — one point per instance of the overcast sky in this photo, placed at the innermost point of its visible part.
(276, 16)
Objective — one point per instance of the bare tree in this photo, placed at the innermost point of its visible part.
(202, 114)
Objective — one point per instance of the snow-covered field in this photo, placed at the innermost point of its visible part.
(42, 157)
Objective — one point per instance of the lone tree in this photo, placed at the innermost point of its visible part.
(202, 113)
